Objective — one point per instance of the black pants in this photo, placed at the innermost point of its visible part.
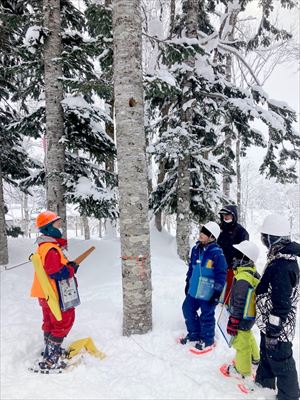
(278, 363)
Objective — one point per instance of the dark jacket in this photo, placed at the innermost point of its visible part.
(201, 256)
(278, 290)
(245, 278)
(231, 233)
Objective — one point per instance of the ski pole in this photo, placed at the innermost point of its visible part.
(16, 266)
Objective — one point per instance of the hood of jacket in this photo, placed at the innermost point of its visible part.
(49, 239)
(230, 209)
(250, 267)
(291, 248)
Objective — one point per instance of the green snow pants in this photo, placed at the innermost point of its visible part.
(246, 350)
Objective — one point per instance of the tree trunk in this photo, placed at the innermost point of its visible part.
(148, 162)
(239, 181)
(55, 155)
(158, 221)
(183, 209)
(86, 227)
(231, 22)
(226, 175)
(165, 111)
(109, 128)
(110, 229)
(26, 215)
(132, 170)
(100, 228)
(172, 17)
(3, 236)
(160, 178)
(184, 175)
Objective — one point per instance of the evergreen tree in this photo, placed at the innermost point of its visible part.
(15, 165)
(87, 146)
(180, 137)
(3, 234)
(220, 110)
(235, 47)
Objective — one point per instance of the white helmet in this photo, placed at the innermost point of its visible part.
(249, 249)
(213, 228)
(276, 225)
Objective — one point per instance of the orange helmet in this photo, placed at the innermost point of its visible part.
(45, 218)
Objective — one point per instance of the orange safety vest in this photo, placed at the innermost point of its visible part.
(36, 290)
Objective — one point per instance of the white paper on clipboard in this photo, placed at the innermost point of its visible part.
(222, 325)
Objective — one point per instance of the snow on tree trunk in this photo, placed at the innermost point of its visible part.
(3, 236)
(184, 175)
(55, 156)
(132, 171)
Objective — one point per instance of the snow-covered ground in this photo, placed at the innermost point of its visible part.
(150, 366)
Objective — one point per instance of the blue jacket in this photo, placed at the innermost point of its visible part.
(212, 259)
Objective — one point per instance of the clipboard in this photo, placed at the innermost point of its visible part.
(222, 325)
(68, 294)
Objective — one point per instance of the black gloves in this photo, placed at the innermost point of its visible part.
(215, 297)
(233, 326)
(73, 265)
(272, 335)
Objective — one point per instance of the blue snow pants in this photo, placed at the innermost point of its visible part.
(199, 327)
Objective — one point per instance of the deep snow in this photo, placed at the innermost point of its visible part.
(150, 366)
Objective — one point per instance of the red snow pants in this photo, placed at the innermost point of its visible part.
(55, 328)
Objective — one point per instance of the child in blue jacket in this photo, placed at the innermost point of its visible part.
(205, 280)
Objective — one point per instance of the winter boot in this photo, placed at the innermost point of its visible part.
(249, 385)
(63, 352)
(53, 361)
(201, 345)
(233, 372)
(45, 352)
(187, 339)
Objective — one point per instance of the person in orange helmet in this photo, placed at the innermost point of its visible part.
(57, 267)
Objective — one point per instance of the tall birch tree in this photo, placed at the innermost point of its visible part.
(55, 158)
(132, 171)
